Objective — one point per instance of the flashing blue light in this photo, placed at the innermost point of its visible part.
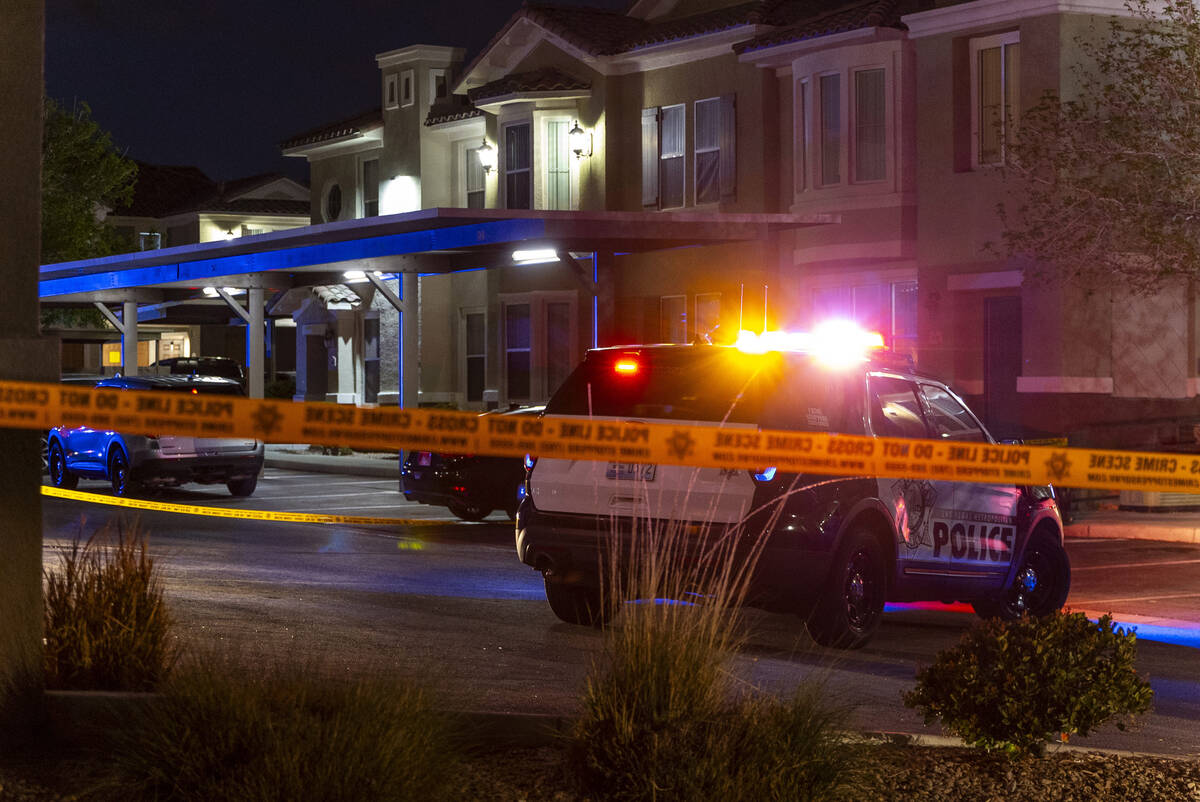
(529, 461)
(766, 476)
(520, 492)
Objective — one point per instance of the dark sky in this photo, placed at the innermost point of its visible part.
(219, 83)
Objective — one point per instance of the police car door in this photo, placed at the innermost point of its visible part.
(983, 523)
(919, 507)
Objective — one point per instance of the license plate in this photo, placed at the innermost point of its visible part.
(630, 470)
(424, 458)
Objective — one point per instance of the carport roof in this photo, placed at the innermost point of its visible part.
(460, 239)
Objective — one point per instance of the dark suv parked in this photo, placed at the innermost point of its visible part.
(836, 548)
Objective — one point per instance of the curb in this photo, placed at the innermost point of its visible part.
(1133, 530)
(84, 719)
(377, 469)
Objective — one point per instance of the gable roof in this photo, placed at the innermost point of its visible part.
(166, 190)
(826, 21)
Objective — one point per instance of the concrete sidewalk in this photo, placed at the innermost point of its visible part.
(1176, 527)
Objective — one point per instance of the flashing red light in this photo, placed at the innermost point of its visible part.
(626, 367)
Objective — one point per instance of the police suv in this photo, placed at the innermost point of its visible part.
(833, 549)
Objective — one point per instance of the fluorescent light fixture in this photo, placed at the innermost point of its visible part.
(535, 256)
(211, 292)
(354, 276)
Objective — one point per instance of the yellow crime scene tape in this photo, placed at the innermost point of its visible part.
(42, 406)
(225, 512)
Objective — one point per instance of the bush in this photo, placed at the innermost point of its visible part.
(106, 624)
(1013, 685)
(282, 386)
(661, 719)
(231, 730)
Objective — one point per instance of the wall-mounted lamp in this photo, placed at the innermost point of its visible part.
(230, 235)
(580, 141)
(487, 157)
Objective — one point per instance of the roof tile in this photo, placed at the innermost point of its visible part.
(546, 79)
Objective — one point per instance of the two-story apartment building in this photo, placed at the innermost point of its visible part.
(882, 118)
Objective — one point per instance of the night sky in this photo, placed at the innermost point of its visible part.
(219, 83)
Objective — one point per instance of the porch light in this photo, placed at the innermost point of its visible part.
(580, 141)
(535, 257)
(487, 156)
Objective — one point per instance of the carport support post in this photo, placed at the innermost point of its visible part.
(129, 338)
(255, 334)
(24, 356)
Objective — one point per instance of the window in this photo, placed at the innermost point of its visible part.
(333, 203)
(889, 308)
(247, 231)
(670, 163)
(149, 241)
(949, 419)
(391, 94)
(708, 313)
(407, 95)
(518, 159)
(475, 354)
(370, 187)
(558, 165)
(995, 94)
(437, 86)
(801, 135)
(869, 126)
(673, 319)
(473, 172)
(518, 338)
(708, 151)
(831, 129)
(895, 410)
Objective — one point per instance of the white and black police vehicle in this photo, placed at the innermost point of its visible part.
(836, 548)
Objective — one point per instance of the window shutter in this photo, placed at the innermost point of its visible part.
(728, 146)
(650, 157)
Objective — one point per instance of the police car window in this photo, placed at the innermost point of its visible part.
(804, 397)
(949, 419)
(895, 410)
(700, 387)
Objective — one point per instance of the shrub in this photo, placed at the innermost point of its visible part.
(283, 386)
(229, 730)
(661, 719)
(106, 624)
(1012, 685)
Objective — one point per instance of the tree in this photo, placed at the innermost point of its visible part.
(1105, 183)
(82, 175)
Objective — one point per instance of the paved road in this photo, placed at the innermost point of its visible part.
(449, 601)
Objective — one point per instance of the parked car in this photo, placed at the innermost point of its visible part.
(75, 379)
(470, 485)
(835, 548)
(204, 366)
(132, 462)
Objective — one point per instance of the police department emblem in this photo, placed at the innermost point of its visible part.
(914, 502)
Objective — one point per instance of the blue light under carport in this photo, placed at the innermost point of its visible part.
(109, 274)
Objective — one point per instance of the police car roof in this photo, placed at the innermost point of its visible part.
(884, 359)
(174, 382)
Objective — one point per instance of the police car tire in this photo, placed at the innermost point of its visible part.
(860, 559)
(576, 604)
(59, 475)
(469, 511)
(1047, 550)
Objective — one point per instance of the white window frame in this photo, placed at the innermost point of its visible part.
(538, 372)
(697, 150)
(408, 81)
(852, 128)
(463, 373)
(682, 155)
(818, 135)
(434, 74)
(1001, 40)
(391, 89)
(503, 160)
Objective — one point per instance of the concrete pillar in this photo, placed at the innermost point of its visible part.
(345, 353)
(255, 338)
(410, 352)
(129, 338)
(24, 355)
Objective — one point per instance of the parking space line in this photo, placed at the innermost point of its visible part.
(1111, 566)
(1075, 603)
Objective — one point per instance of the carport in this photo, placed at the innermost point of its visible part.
(179, 284)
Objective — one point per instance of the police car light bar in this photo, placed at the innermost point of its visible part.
(834, 342)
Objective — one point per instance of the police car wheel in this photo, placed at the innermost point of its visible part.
(468, 511)
(59, 475)
(576, 604)
(851, 606)
(1040, 586)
